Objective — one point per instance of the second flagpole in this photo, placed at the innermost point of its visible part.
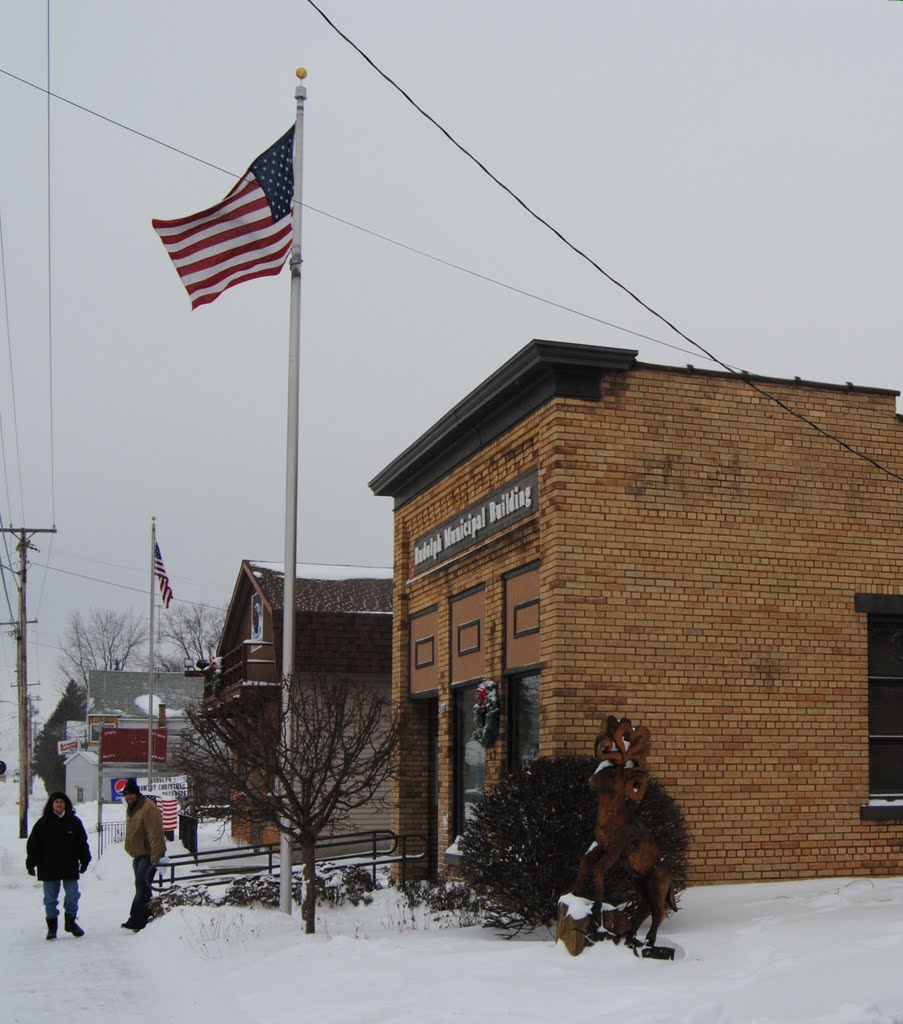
(291, 476)
(150, 660)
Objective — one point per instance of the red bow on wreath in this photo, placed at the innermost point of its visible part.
(486, 714)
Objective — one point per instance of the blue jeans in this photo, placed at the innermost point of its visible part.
(52, 895)
(143, 891)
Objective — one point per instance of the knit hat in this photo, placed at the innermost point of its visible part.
(131, 786)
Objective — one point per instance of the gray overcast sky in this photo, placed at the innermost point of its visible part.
(738, 165)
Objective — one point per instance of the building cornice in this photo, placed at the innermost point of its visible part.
(541, 371)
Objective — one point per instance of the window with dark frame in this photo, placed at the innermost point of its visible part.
(524, 702)
(425, 652)
(469, 637)
(885, 668)
(526, 618)
(470, 757)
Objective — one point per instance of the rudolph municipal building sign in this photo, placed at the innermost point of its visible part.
(509, 504)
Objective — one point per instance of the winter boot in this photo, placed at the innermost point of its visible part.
(51, 927)
(71, 926)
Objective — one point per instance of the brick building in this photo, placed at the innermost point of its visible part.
(343, 630)
(598, 535)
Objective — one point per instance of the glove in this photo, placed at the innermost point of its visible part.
(83, 867)
(29, 868)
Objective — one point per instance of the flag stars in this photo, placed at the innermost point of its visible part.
(275, 173)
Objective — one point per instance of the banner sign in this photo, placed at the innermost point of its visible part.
(66, 746)
(171, 787)
(509, 504)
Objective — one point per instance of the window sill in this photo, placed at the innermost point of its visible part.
(453, 854)
(885, 810)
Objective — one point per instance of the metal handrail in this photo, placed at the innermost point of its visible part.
(109, 832)
(384, 848)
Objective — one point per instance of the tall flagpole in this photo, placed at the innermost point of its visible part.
(291, 477)
(150, 660)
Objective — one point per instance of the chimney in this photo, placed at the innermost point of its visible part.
(162, 715)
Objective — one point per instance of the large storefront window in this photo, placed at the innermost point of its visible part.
(470, 757)
(524, 744)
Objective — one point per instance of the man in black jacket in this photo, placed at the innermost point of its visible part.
(58, 849)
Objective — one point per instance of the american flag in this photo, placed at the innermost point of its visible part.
(160, 573)
(246, 235)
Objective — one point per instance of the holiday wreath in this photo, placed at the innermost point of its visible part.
(486, 714)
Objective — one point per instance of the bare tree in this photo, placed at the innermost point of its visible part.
(102, 639)
(304, 780)
(192, 632)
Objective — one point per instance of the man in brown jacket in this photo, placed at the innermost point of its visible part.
(146, 845)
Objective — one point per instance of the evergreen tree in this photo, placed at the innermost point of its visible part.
(46, 762)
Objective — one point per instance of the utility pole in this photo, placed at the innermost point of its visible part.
(22, 674)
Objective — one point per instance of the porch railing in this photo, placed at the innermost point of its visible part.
(372, 849)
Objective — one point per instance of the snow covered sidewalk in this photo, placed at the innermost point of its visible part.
(826, 951)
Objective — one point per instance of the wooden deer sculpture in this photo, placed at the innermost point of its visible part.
(621, 836)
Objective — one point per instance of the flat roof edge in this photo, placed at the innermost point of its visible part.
(698, 371)
(525, 368)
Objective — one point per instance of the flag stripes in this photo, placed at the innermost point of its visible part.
(246, 235)
(160, 573)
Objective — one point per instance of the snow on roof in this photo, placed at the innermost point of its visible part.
(89, 755)
(323, 588)
(143, 700)
(124, 693)
(315, 571)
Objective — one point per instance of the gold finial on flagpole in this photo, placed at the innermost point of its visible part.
(301, 73)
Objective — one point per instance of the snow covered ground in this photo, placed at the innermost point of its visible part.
(829, 951)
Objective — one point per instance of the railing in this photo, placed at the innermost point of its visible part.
(109, 832)
(373, 849)
(250, 662)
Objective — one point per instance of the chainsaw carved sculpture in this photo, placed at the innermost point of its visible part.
(621, 837)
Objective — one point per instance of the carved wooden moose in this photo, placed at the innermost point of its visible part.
(621, 837)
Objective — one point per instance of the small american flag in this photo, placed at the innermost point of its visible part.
(247, 235)
(160, 573)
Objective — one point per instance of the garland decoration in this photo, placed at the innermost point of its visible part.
(486, 714)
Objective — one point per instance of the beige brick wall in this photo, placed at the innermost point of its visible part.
(700, 550)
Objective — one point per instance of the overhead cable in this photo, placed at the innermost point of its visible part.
(746, 379)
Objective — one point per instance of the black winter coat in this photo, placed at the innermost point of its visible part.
(57, 847)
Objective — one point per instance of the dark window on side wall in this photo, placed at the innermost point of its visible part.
(470, 757)
(524, 722)
(885, 706)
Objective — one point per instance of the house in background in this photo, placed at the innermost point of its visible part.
(81, 776)
(118, 705)
(343, 630)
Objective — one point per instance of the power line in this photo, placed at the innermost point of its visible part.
(49, 290)
(742, 376)
(120, 586)
(499, 284)
(348, 223)
(12, 389)
(584, 256)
